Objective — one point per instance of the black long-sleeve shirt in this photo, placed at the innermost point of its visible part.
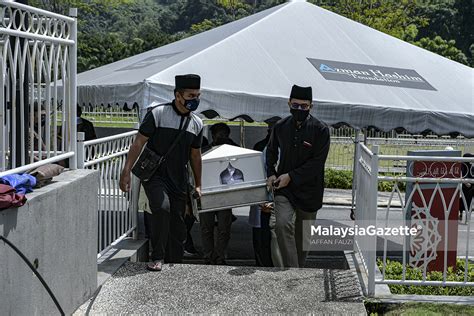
(301, 152)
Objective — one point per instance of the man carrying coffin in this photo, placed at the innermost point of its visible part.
(300, 145)
(167, 188)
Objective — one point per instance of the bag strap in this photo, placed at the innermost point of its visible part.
(181, 133)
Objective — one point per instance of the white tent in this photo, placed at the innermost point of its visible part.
(360, 76)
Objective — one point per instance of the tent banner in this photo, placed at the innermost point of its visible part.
(370, 74)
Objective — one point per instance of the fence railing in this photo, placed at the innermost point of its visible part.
(38, 55)
(427, 198)
(112, 114)
(341, 153)
(117, 210)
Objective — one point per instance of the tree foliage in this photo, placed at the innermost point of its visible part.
(443, 27)
(444, 48)
(111, 30)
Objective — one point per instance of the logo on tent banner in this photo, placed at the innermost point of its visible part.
(370, 74)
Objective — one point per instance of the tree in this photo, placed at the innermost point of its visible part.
(202, 26)
(62, 6)
(449, 19)
(109, 30)
(231, 4)
(444, 48)
(465, 18)
(396, 18)
(409, 20)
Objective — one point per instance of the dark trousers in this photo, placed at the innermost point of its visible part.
(189, 244)
(215, 253)
(468, 193)
(168, 230)
(262, 238)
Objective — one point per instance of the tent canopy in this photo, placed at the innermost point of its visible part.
(360, 76)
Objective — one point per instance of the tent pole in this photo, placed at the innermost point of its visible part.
(354, 171)
(242, 133)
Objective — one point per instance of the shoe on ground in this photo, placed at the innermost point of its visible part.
(188, 254)
(155, 266)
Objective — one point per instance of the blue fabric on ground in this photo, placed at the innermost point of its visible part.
(23, 183)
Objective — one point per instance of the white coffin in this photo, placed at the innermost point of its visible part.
(232, 177)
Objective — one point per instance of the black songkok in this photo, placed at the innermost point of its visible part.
(302, 93)
(189, 81)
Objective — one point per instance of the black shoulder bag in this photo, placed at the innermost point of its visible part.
(149, 161)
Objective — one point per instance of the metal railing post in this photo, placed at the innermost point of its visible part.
(81, 150)
(135, 197)
(135, 188)
(73, 88)
(354, 170)
(242, 133)
(372, 219)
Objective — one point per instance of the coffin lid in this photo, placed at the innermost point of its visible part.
(228, 151)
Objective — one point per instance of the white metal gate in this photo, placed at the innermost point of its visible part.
(38, 54)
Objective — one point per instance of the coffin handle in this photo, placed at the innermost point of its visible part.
(229, 159)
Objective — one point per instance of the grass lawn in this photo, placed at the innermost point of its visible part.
(430, 309)
(123, 122)
(342, 155)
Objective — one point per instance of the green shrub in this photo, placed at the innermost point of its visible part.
(342, 179)
(387, 186)
(393, 271)
(338, 179)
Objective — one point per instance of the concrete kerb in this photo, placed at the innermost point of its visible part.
(110, 262)
(127, 249)
(439, 299)
(355, 264)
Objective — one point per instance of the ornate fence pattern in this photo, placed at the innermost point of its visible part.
(38, 53)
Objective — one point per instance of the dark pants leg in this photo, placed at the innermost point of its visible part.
(147, 222)
(168, 230)
(257, 245)
(265, 240)
(224, 222)
(206, 221)
(262, 241)
(189, 244)
(177, 236)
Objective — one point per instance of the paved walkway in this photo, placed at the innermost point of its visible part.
(227, 290)
(344, 197)
(327, 286)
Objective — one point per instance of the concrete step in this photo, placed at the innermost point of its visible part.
(126, 250)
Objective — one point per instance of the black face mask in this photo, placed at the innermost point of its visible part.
(299, 115)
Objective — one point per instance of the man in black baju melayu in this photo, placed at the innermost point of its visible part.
(300, 146)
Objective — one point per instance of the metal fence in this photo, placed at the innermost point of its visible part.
(341, 153)
(38, 55)
(433, 185)
(117, 210)
(110, 114)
